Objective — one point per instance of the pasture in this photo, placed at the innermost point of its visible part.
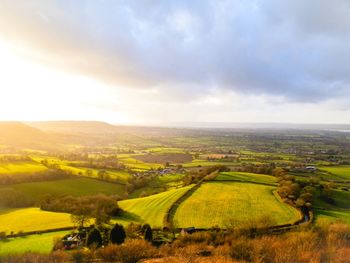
(21, 167)
(31, 219)
(246, 177)
(163, 158)
(339, 172)
(134, 164)
(150, 209)
(332, 215)
(198, 163)
(41, 243)
(74, 187)
(224, 203)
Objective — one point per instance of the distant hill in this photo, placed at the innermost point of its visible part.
(94, 127)
(19, 134)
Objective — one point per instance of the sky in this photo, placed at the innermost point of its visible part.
(157, 62)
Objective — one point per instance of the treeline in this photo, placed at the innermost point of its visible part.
(270, 169)
(11, 198)
(14, 158)
(211, 172)
(99, 207)
(139, 181)
(48, 175)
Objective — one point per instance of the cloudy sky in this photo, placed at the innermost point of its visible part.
(151, 62)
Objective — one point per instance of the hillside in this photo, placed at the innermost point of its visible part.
(21, 135)
(94, 127)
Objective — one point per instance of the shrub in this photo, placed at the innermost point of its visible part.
(94, 238)
(131, 251)
(117, 235)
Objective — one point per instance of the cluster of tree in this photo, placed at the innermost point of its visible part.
(326, 192)
(11, 198)
(270, 169)
(85, 208)
(116, 235)
(139, 181)
(299, 194)
(196, 176)
(48, 175)
(14, 158)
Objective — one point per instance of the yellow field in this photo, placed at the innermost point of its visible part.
(31, 219)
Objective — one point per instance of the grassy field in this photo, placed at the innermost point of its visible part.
(340, 210)
(339, 172)
(34, 243)
(165, 150)
(31, 219)
(333, 215)
(151, 209)
(246, 177)
(219, 203)
(75, 187)
(159, 184)
(21, 167)
(196, 163)
(136, 164)
(121, 176)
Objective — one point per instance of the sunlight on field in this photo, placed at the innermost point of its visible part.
(151, 209)
(340, 172)
(217, 203)
(34, 243)
(21, 167)
(74, 187)
(31, 219)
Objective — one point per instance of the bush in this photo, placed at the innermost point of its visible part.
(131, 251)
(117, 235)
(94, 238)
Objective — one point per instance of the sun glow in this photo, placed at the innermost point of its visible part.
(31, 91)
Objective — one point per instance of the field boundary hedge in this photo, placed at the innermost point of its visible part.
(38, 232)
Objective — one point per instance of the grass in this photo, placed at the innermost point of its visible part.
(196, 163)
(136, 164)
(333, 215)
(75, 187)
(118, 175)
(221, 203)
(340, 210)
(151, 209)
(31, 219)
(42, 243)
(340, 172)
(159, 184)
(121, 176)
(21, 167)
(165, 150)
(246, 177)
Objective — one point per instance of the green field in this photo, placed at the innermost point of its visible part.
(34, 243)
(196, 163)
(219, 203)
(165, 150)
(339, 172)
(246, 177)
(132, 163)
(159, 184)
(333, 215)
(21, 167)
(75, 187)
(121, 176)
(31, 219)
(151, 209)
